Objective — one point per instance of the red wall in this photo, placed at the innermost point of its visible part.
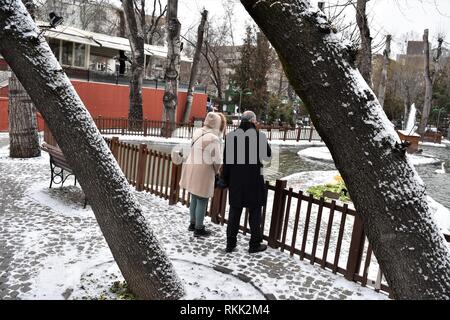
(109, 100)
(113, 101)
(3, 114)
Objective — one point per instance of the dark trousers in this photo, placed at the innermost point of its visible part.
(254, 220)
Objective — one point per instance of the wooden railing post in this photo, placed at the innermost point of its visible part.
(174, 183)
(144, 125)
(140, 174)
(218, 204)
(115, 147)
(276, 221)
(356, 248)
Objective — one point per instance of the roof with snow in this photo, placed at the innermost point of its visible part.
(94, 39)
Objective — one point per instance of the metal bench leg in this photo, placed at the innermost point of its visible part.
(75, 181)
(52, 174)
(85, 202)
(62, 179)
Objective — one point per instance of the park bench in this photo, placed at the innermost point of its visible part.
(60, 169)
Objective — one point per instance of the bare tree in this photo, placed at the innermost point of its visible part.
(194, 69)
(140, 257)
(170, 98)
(23, 130)
(384, 71)
(155, 31)
(430, 78)
(386, 190)
(365, 53)
(135, 22)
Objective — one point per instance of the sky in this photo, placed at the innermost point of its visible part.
(395, 17)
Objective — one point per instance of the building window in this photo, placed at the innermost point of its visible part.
(80, 55)
(54, 45)
(67, 53)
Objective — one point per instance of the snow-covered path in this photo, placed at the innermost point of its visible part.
(52, 248)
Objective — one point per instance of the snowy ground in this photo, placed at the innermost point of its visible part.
(322, 153)
(52, 248)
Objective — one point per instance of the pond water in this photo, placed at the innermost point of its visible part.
(288, 162)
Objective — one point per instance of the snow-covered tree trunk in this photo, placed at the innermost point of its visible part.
(23, 130)
(365, 52)
(428, 84)
(136, 37)
(384, 71)
(170, 98)
(194, 69)
(383, 184)
(139, 255)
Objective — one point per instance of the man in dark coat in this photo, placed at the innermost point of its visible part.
(245, 149)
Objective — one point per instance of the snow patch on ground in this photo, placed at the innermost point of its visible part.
(323, 154)
(305, 180)
(431, 144)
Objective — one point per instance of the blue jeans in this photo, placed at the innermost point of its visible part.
(197, 209)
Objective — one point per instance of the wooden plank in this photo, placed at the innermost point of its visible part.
(317, 230)
(246, 221)
(339, 240)
(286, 220)
(328, 234)
(305, 230)
(296, 222)
(366, 265)
(154, 156)
(356, 248)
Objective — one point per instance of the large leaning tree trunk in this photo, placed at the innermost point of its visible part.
(430, 78)
(135, 27)
(385, 188)
(23, 130)
(139, 255)
(170, 98)
(194, 69)
(384, 71)
(365, 52)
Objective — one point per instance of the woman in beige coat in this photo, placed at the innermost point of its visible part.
(200, 168)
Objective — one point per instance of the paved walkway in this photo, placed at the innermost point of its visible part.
(48, 241)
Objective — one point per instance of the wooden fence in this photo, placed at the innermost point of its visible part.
(153, 128)
(325, 233)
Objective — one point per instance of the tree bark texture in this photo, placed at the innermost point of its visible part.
(170, 98)
(194, 69)
(136, 37)
(386, 190)
(139, 255)
(364, 60)
(384, 71)
(23, 130)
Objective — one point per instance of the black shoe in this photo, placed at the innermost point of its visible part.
(191, 227)
(259, 248)
(202, 232)
(230, 249)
